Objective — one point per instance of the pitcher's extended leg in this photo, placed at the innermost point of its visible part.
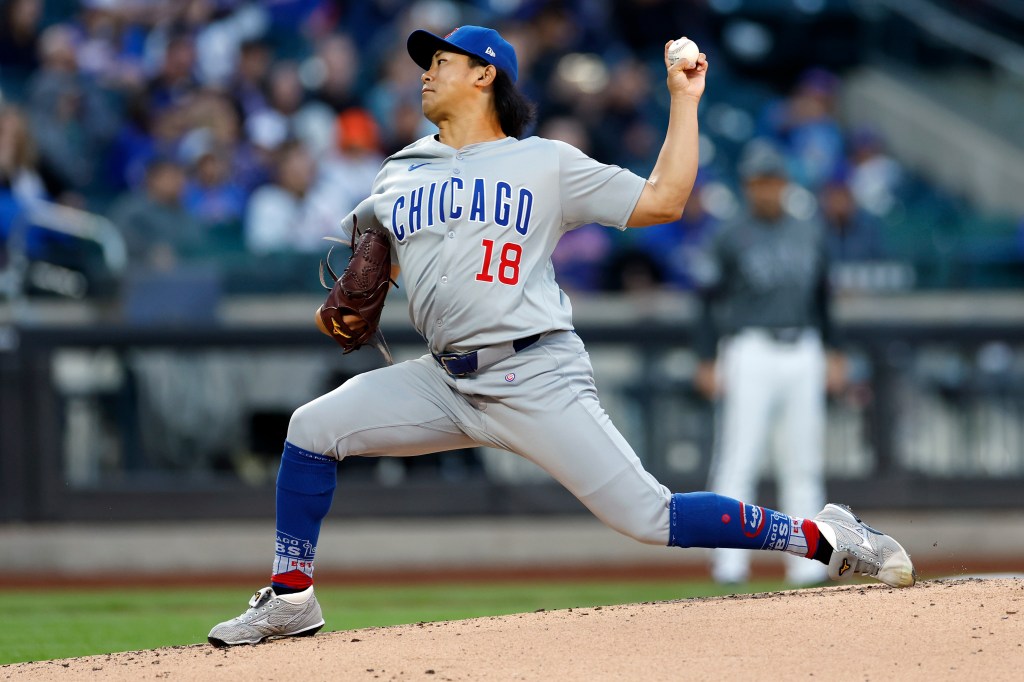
(396, 410)
(584, 451)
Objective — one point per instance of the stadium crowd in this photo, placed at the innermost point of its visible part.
(238, 132)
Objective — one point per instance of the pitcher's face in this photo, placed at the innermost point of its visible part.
(448, 84)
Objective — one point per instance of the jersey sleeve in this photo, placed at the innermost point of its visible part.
(361, 217)
(594, 192)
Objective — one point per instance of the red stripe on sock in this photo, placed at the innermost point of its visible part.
(811, 532)
(295, 579)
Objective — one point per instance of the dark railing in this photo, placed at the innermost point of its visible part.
(116, 422)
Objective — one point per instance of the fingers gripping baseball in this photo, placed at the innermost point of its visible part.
(686, 67)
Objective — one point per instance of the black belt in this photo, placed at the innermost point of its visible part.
(464, 364)
(788, 335)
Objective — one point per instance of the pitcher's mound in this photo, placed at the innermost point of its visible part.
(939, 630)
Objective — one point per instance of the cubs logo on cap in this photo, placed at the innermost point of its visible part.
(478, 41)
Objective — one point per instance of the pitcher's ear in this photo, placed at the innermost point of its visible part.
(488, 75)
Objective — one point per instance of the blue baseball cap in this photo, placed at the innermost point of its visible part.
(477, 41)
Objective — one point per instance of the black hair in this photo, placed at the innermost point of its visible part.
(515, 111)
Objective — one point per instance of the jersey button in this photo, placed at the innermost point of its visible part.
(444, 279)
(451, 235)
(456, 171)
(459, 157)
(440, 322)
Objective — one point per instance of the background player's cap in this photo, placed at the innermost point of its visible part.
(761, 158)
(478, 41)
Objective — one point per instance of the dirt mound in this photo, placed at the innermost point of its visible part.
(939, 630)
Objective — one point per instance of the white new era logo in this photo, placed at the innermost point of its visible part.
(490, 52)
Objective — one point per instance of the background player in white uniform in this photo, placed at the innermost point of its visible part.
(764, 284)
(473, 215)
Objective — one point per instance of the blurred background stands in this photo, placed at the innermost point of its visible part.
(226, 89)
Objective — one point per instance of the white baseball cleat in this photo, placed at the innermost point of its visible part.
(270, 616)
(860, 549)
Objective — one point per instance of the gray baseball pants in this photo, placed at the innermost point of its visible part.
(541, 404)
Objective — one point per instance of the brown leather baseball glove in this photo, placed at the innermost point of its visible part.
(351, 313)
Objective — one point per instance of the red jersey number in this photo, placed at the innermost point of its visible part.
(508, 264)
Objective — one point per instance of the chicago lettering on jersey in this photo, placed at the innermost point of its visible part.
(473, 199)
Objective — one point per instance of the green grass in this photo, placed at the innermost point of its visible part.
(63, 623)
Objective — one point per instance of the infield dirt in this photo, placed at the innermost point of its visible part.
(952, 629)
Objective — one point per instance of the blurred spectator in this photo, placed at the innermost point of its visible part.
(286, 216)
(288, 115)
(673, 245)
(145, 133)
(18, 158)
(347, 174)
(221, 28)
(851, 233)
(175, 79)
(211, 193)
(19, 36)
(215, 121)
(248, 83)
(72, 120)
(111, 48)
(295, 20)
(875, 178)
(806, 124)
(158, 231)
(337, 68)
(395, 102)
(19, 183)
(625, 133)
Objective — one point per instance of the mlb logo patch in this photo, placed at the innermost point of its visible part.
(489, 52)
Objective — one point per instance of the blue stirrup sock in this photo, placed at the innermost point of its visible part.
(709, 520)
(305, 489)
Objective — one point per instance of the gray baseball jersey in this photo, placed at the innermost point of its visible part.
(756, 274)
(474, 229)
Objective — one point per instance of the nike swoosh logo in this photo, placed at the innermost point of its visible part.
(418, 165)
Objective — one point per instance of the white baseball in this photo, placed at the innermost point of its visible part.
(684, 48)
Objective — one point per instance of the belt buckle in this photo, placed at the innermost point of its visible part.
(445, 358)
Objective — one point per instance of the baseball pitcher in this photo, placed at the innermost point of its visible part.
(471, 216)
